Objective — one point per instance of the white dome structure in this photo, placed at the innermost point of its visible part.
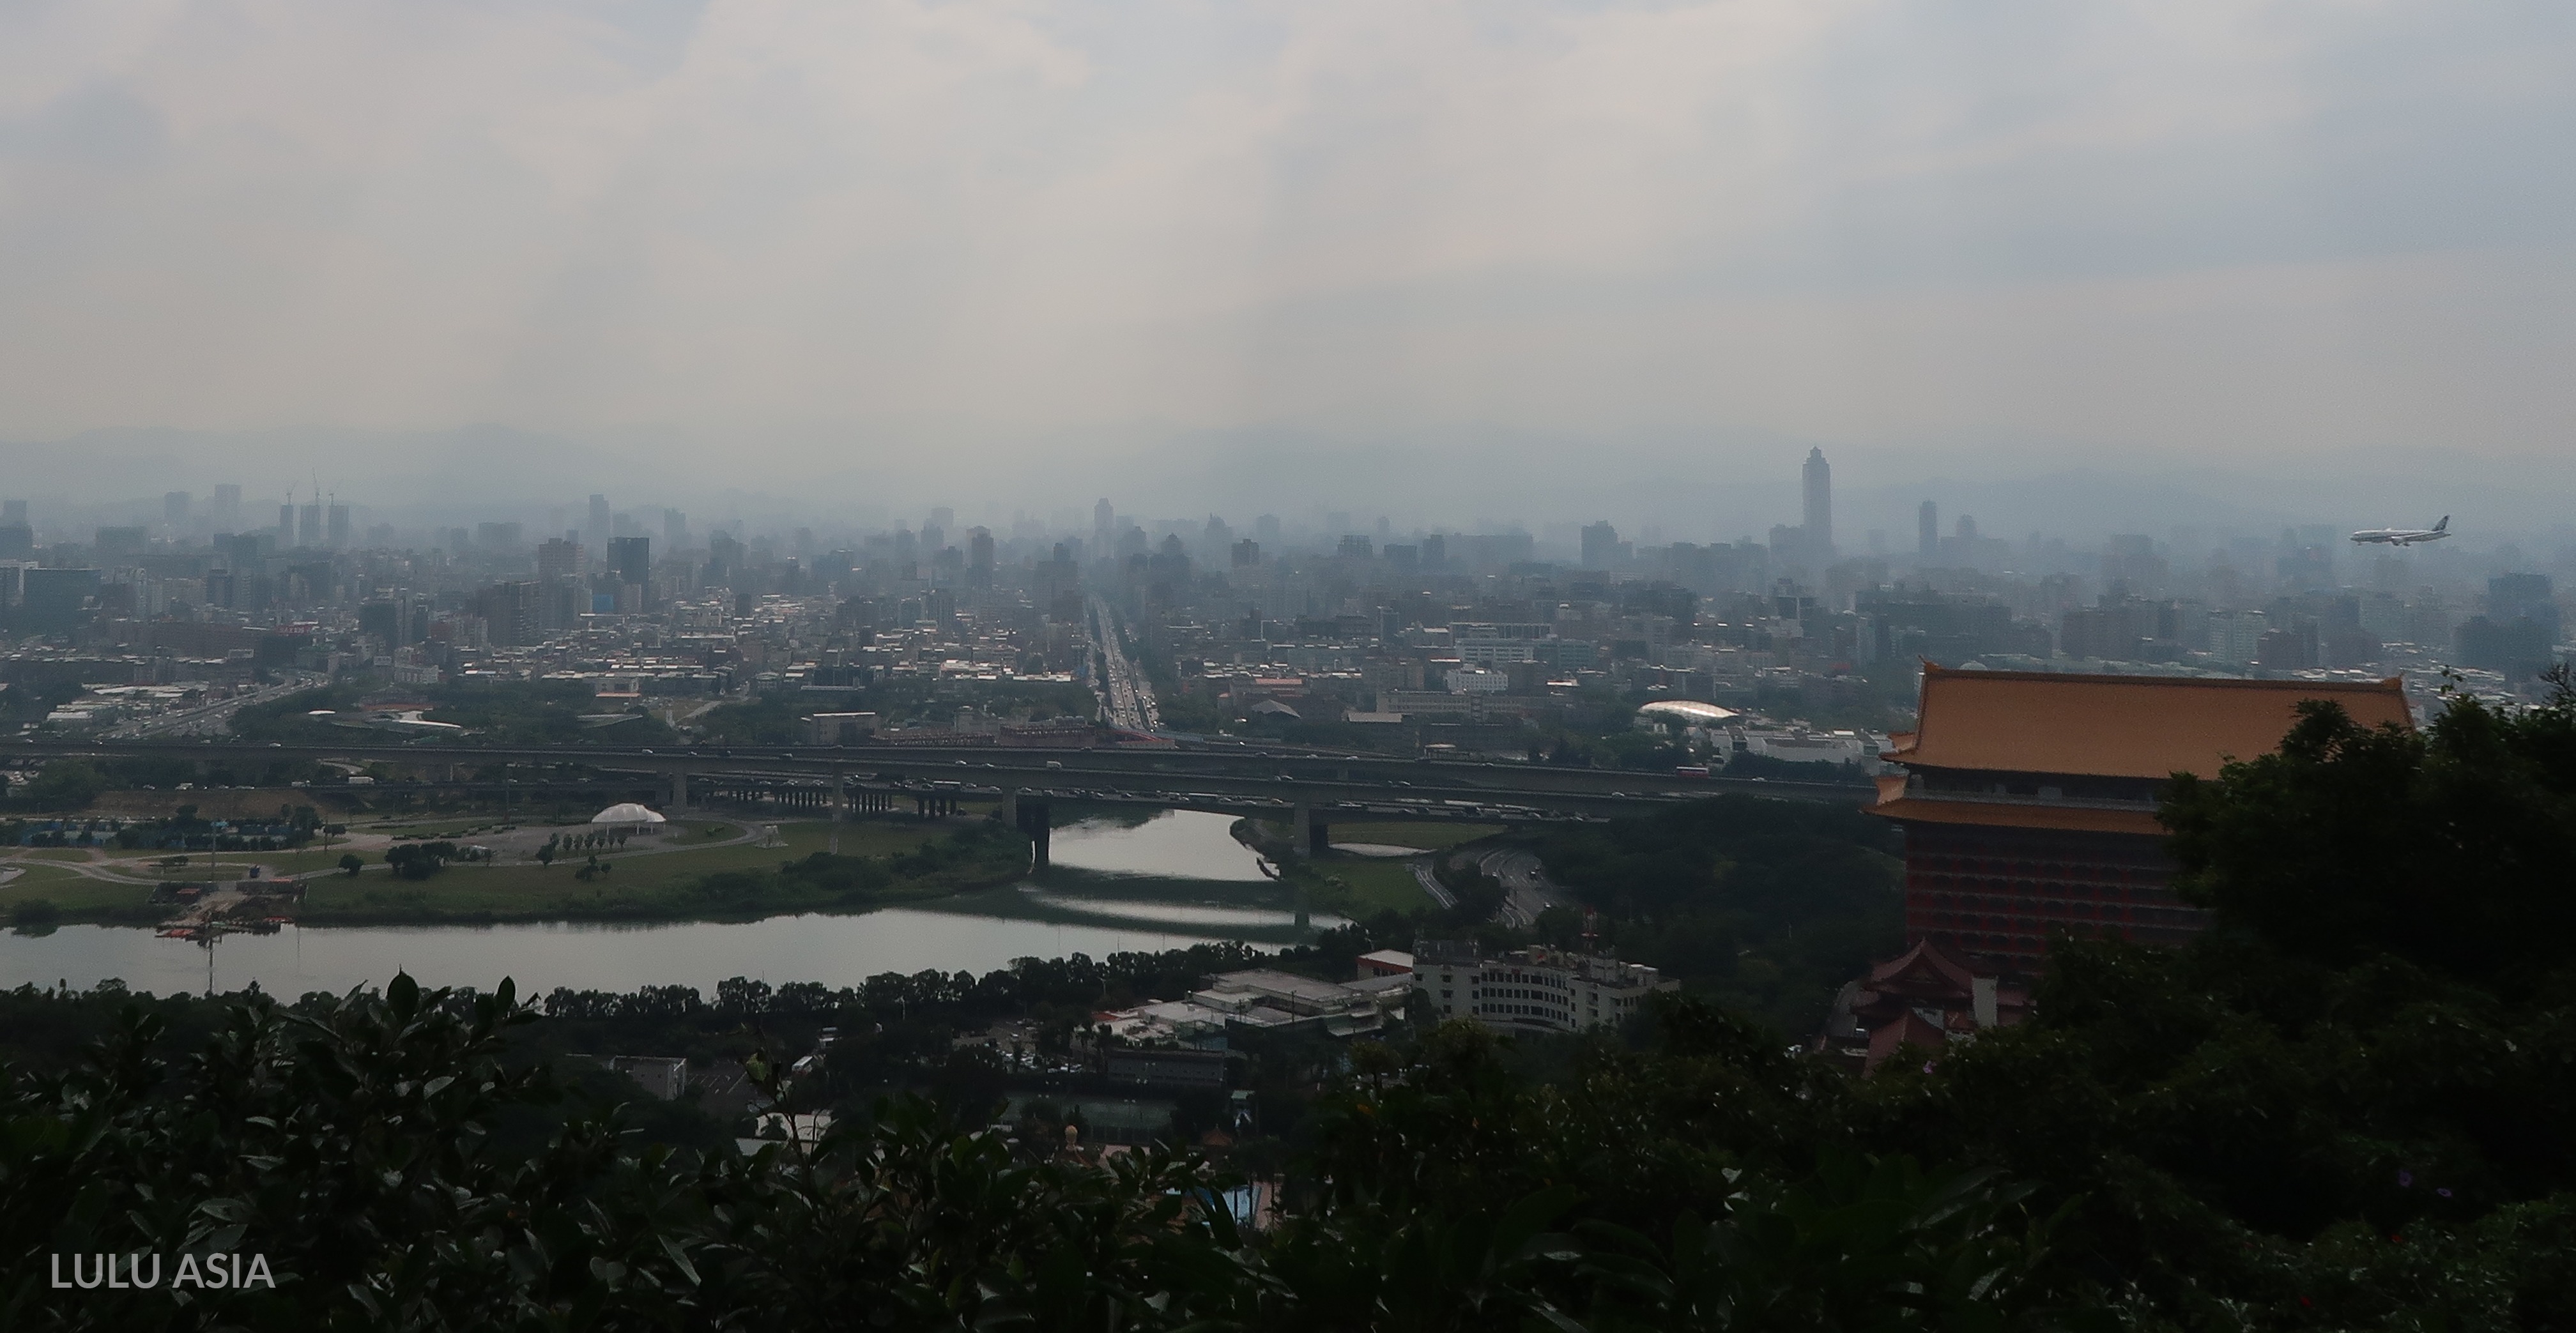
(627, 815)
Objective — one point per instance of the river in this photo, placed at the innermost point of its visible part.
(1173, 880)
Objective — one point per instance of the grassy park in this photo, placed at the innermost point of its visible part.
(699, 869)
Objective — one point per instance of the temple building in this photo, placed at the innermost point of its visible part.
(2029, 799)
(1921, 998)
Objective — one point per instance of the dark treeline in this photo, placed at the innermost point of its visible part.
(1767, 905)
(2342, 1108)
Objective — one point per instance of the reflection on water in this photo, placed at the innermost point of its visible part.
(1174, 844)
(1171, 881)
(1175, 913)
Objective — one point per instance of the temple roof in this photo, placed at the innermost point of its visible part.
(2117, 726)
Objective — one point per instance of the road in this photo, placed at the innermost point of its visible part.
(1426, 873)
(1126, 692)
(1527, 891)
(214, 719)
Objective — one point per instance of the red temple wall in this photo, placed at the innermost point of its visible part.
(1999, 893)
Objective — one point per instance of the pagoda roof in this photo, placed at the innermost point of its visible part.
(1924, 969)
(2117, 726)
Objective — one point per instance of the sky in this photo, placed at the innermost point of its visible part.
(1494, 255)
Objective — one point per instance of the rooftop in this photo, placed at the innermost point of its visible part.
(2117, 726)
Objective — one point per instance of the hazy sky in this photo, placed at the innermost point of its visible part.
(1533, 239)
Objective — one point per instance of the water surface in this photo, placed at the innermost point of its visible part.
(1167, 882)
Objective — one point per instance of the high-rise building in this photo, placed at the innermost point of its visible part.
(632, 559)
(1600, 545)
(675, 531)
(602, 526)
(509, 612)
(308, 524)
(1819, 478)
(2524, 597)
(558, 559)
(1927, 532)
(286, 523)
(1104, 525)
(227, 507)
(174, 508)
(338, 527)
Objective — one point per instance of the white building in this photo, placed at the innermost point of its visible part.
(1532, 990)
(2236, 636)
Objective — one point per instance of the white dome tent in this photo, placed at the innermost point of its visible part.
(628, 817)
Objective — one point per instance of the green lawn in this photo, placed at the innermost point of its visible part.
(78, 897)
(639, 884)
(1427, 836)
(1361, 887)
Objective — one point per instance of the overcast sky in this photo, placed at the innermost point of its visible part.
(1519, 239)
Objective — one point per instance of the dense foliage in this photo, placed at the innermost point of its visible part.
(1769, 905)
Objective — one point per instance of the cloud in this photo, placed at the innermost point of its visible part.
(814, 232)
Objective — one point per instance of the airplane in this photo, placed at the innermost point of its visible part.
(2404, 536)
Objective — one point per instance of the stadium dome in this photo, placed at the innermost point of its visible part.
(1686, 713)
(628, 813)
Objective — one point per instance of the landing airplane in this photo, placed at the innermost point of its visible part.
(2404, 536)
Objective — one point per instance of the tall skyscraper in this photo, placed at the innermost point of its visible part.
(557, 560)
(1819, 476)
(1104, 526)
(632, 558)
(338, 527)
(602, 527)
(675, 531)
(227, 507)
(1600, 545)
(308, 525)
(1927, 533)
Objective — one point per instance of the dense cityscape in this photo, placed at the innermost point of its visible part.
(1326, 631)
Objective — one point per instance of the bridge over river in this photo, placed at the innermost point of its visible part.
(1310, 791)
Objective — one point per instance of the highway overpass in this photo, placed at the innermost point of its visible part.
(1310, 790)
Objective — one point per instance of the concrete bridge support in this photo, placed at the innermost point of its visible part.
(1309, 832)
(677, 799)
(1030, 815)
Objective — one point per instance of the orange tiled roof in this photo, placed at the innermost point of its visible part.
(2117, 726)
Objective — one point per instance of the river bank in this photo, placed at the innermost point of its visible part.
(1166, 880)
(709, 869)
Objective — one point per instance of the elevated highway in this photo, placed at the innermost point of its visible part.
(1310, 790)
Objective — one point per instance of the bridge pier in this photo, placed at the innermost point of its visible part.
(1031, 816)
(677, 802)
(1304, 830)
